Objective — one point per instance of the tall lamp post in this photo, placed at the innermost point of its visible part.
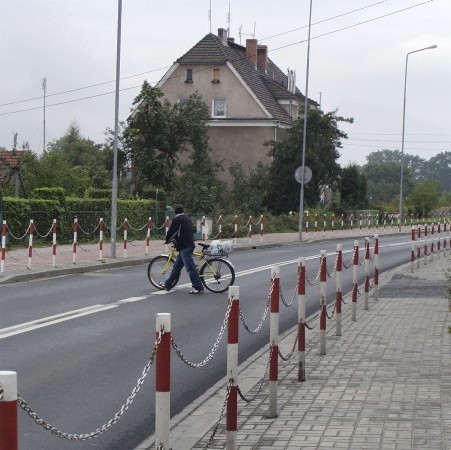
(304, 136)
(403, 128)
(116, 132)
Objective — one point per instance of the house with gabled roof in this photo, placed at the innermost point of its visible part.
(251, 100)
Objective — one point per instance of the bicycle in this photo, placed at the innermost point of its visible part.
(216, 273)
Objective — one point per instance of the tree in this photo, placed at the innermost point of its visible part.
(323, 141)
(383, 172)
(353, 188)
(153, 140)
(439, 168)
(248, 189)
(197, 183)
(424, 197)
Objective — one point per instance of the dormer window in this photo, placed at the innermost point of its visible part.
(216, 76)
(189, 76)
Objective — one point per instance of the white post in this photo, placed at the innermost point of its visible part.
(322, 303)
(355, 267)
(54, 243)
(338, 289)
(74, 245)
(163, 382)
(367, 274)
(30, 243)
(274, 343)
(2, 263)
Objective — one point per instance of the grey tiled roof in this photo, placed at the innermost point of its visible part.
(268, 87)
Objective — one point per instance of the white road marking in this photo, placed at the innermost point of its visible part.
(69, 315)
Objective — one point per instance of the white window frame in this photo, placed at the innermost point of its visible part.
(213, 109)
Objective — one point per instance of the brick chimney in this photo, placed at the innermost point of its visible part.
(251, 51)
(262, 57)
(222, 33)
(231, 40)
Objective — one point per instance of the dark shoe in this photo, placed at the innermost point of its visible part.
(162, 286)
(195, 291)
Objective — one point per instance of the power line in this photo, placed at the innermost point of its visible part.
(391, 140)
(354, 25)
(84, 87)
(133, 87)
(393, 148)
(322, 21)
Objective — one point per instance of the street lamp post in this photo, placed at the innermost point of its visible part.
(403, 128)
(304, 136)
(116, 132)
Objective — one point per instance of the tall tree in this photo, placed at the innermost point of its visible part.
(353, 188)
(424, 197)
(197, 184)
(323, 142)
(153, 140)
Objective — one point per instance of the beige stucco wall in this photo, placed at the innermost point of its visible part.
(240, 103)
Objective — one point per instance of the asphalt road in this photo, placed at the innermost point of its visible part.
(79, 343)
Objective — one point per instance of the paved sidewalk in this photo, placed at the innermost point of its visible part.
(384, 384)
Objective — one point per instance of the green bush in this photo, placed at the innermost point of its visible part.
(98, 193)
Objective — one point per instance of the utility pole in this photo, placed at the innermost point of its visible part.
(44, 88)
(116, 132)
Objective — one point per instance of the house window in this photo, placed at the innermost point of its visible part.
(219, 107)
(216, 76)
(189, 76)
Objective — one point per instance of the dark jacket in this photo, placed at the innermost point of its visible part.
(184, 238)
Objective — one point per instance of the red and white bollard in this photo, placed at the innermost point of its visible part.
(203, 229)
(322, 304)
(101, 227)
(342, 225)
(30, 242)
(74, 245)
(167, 224)
(338, 297)
(360, 224)
(149, 229)
(262, 221)
(301, 319)
(316, 224)
(54, 243)
(306, 224)
(250, 223)
(2, 262)
(352, 222)
(8, 411)
(417, 245)
(412, 257)
(324, 225)
(125, 225)
(355, 267)
(232, 368)
(425, 243)
(235, 232)
(220, 224)
(367, 274)
(333, 223)
(376, 267)
(274, 342)
(163, 381)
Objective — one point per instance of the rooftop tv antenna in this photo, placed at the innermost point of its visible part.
(209, 15)
(240, 32)
(228, 21)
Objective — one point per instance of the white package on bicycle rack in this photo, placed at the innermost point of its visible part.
(220, 248)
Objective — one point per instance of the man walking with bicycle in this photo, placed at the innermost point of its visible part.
(181, 233)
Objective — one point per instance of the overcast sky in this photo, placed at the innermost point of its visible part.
(357, 67)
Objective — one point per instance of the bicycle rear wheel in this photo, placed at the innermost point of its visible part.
(159, 269)
(217, 274)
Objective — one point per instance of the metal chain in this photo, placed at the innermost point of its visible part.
(14, 237)
(317, 275)
(215, 346)
(95, 229)
(137, 229)
(344, 301)
(331, 275)
(265, 312)
(352, 260)
(283, 298)
(249, 400)
(287, 358)
(12, 257)
(81, 437)
(332, 315)
(36, 253)
(215, 429)
(43, 236)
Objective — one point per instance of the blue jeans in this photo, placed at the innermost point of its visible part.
(185, 258)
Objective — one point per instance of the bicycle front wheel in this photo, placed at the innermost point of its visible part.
(158, 270)
(217, 274)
